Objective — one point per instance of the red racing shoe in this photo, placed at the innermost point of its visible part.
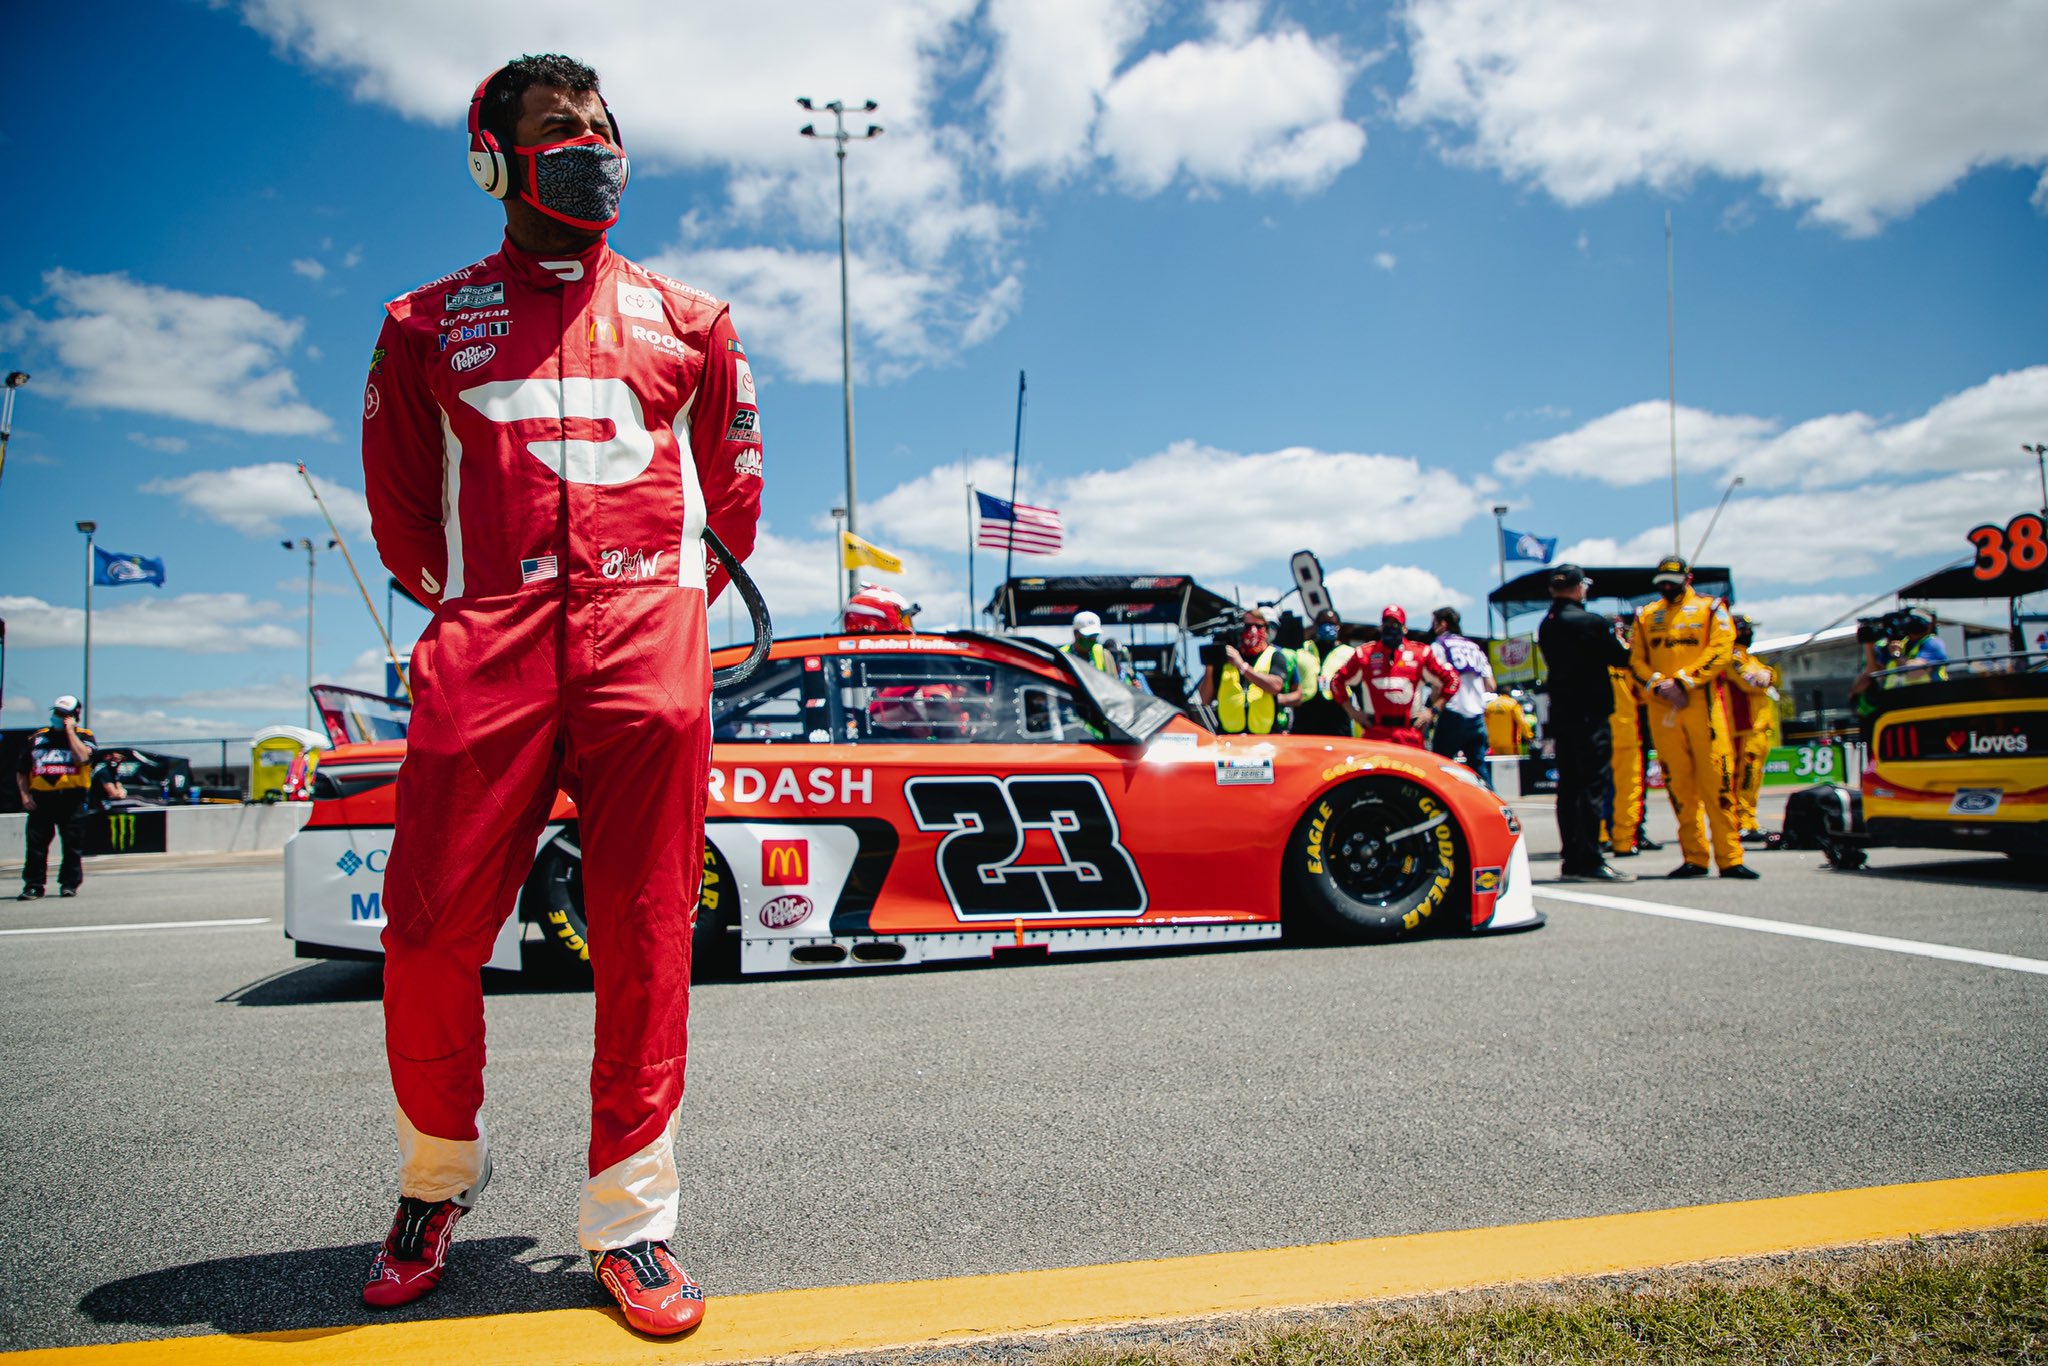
(658, 1296)
(415, 1252)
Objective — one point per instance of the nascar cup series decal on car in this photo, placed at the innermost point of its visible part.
(786, 911)
(1231, 772)
(636, 302)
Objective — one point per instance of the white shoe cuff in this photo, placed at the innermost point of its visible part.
(634, 1199)
(432, 1168)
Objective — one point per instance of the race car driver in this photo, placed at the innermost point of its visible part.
(1680, 645)
(1394, 674)
(545, 434)
(1751, 686)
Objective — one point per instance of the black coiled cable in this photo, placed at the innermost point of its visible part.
(757, 613)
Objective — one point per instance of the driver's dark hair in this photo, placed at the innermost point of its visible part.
(1449, 617)
(507, 90)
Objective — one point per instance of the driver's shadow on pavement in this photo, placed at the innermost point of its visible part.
(315, 1288)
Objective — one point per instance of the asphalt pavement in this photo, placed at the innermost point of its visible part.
(198, 1126)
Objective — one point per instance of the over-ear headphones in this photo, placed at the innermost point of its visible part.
(487, 165)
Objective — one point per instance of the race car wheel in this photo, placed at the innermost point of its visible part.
(553, 899)
(1376, 859)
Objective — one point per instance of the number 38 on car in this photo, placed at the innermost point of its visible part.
(878, 799)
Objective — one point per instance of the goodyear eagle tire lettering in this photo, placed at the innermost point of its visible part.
(1376, 859)
(553, 899)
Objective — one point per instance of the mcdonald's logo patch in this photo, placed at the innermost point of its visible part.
(785, 863)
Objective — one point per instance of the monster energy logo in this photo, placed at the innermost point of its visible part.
(121, 832)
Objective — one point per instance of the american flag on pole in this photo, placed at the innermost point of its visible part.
(1029, 530)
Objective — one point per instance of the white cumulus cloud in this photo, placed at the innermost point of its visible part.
(195, 623)
(1856, 112)
(211, 358)
(257, 499)
(1360, 594)
(1977, 429)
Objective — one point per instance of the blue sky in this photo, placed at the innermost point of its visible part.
(1339, 276)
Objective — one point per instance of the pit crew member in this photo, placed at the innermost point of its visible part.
(545, 434)
(1680, 646)
(55, 782)
(1579, 648)
(1461, 730)
(1625, 834)
(1751, 688)
(1090, 646)
(1401, 682)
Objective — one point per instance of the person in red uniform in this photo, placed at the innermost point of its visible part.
(1393, 674)
(545, 434)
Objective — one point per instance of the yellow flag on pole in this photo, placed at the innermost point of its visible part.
(854, 552)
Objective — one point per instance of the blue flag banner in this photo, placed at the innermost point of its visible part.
(116, 571)
(1520, 545)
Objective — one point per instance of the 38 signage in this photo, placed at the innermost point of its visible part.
(2018, 547)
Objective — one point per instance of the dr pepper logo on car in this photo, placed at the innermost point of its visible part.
(785, 863)
(785, 911)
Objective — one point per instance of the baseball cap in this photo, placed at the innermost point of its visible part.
(1396, 611)
(1568, 576)
(66, 705)
(1671, 569)
(1087, 624)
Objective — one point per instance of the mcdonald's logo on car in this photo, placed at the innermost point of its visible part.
(785, 863)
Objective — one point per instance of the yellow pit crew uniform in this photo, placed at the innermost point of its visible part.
(1753, 723)
(1689, 641)
(1507, 726)
(1626, 728)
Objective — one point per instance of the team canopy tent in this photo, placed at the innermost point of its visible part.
(1530, 592)
(1174, 600)
(1959, 582)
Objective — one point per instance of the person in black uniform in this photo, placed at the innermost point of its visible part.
(1578, 648)
(55, 779)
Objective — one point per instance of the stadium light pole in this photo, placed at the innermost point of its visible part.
(839, 559)
(841, 137)
(85, 693)
(2038, 450)
(15, 379)
(306, 544)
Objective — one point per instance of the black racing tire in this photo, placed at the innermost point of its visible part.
(1346, 881)
(553, 899)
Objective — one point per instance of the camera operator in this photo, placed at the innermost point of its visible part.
(1895, 640)
(1245, 679)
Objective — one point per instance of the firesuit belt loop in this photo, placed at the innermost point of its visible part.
(757, 613)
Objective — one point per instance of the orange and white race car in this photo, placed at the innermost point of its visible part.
(901, 798)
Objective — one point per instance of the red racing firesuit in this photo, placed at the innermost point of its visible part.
(1390, 681)
(523, 451)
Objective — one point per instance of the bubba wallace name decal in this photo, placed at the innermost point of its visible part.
(820, 786)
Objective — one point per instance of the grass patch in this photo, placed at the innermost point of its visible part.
(1975, 1299)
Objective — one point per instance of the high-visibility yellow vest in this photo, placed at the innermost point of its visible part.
(1230, 699)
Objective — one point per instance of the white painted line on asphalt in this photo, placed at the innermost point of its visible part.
(144, 925)
(1850, 937)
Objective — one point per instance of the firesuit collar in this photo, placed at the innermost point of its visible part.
(577, 182)
(552, 270)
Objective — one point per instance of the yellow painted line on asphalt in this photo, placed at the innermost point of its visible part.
(909, 1313)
